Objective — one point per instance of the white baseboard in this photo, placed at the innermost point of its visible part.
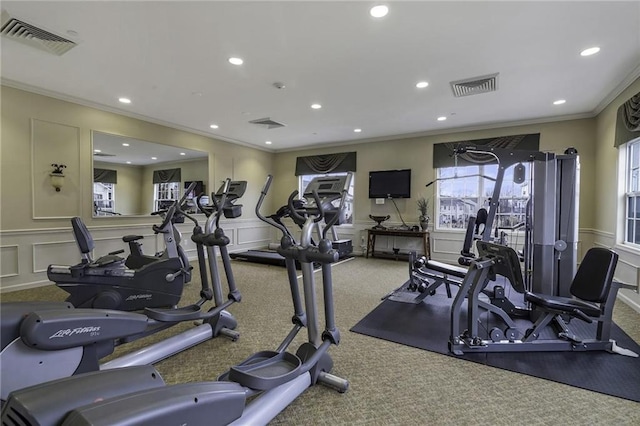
(629, 301)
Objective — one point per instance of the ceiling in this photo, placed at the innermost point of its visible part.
(171, 60)
(109, 148)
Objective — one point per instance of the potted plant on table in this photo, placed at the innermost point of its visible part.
(423, 213)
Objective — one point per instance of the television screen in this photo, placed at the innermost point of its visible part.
(390, 184)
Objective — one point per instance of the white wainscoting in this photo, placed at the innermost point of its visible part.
(628, 269)
(25, 254)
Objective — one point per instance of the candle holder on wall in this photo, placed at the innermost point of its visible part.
(57, 176)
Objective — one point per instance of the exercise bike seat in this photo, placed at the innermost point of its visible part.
(130, 238)
(86, 246)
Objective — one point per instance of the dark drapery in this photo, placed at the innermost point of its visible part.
(105, 176)
(628, 121)
(443, 152)
(328, 163)
(168, 175)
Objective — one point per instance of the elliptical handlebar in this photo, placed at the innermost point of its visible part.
(223, 199)
(343, 198)
(295, 213)
(171, 211)
(260, 216)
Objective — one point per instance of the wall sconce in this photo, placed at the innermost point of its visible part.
(57, 176)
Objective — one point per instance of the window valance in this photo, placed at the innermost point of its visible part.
(628, 121)
(168, 175)
(443, 152)
(105, 176)
(327, 163)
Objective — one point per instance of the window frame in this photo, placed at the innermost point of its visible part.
(484, 175)
(631, 194)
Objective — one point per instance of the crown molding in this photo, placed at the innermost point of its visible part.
(488, 126)
(67, 98)
(633, 76)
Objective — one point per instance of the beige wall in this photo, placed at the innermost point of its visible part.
(34, 219)
(417, 154)
(24, 186)
(609, 203)
(18, 173)
(606, 185)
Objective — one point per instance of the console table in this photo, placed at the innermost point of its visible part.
(373, 233)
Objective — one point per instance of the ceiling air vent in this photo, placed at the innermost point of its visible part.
(24, 32)
(475, 85)
(103, 154)
(267, 122)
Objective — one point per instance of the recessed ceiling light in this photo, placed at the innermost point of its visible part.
(268, 142)
(442, 118)
(183, 153)
(128, 162)
(379, 11)
(236, 61)
(559, 102)
(125, 144)
(125, 100)
(357, 130)
(214, 126)
(316, 106)
(590, 51)
(97, 150)
(422, 84)
(154, 158)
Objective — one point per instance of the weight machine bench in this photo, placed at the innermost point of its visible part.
(593, 290)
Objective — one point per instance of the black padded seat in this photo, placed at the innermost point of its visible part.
(590, 287)
(86, 245)
(562, 304)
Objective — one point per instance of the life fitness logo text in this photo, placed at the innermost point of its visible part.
(93, 331)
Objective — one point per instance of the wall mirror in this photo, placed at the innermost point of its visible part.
(132, 177)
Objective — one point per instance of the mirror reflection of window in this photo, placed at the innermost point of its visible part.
(165, 193)
(104, 199)
(131, 165)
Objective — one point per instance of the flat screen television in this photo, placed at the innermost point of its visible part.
(390, 184)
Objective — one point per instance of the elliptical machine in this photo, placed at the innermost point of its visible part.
(273, 378)
(44, 341)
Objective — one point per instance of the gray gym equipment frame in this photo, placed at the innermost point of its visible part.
(84, 336)
(552, 232)
(274, 378)
(501, 260)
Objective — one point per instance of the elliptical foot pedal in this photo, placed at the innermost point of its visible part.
(186, 313)
(265, 370)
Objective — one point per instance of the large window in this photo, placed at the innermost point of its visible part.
(348, 202)
(632, 193)
(462, 191)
